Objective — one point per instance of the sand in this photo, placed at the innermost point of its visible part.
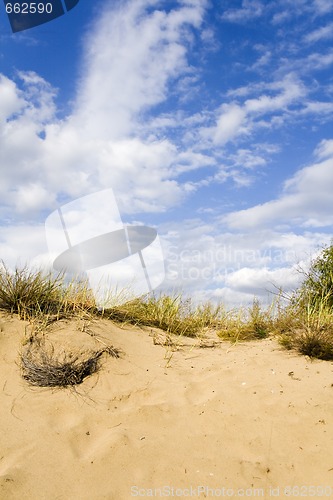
(250, 420)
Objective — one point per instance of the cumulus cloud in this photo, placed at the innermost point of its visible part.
(290, 91)
(306, 199)
(131, 72)
(319, 60)
(259, 281)
(101, 142)
(210, 262)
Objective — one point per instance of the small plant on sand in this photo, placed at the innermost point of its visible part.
(316, 290)
(41, 367)
(309, 330)
(310, 312)
(247, 324)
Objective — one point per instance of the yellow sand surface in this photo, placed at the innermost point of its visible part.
(245, 421)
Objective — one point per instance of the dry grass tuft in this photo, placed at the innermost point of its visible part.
(316, 344)
(33, 293)
(40, 367)
(310, 332)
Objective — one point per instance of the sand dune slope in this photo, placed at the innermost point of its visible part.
(205, 422)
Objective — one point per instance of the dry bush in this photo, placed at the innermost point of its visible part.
(41, 367)
(316, 344)
(309, 332)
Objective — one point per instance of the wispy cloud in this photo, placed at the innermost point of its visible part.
(235, 119)
(250, 10)
(306, 200)
(322, 33)
(144, 54)
(324, 149)
(323, 6)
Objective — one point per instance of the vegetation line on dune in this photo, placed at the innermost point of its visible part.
(304, 324)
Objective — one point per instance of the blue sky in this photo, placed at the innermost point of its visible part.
(211, 121)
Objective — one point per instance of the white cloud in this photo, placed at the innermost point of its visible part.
(324, 149)
(306, 199)
(320, 109)
(323, 33)
(22, 243)
(250, 9)
(131, 72)
(229, 123)
(10, 101)
(291, 91)
(25, 111)
(263, 60)
(235, 120)
(32, 197)
(136, 57)
(101, 142)
(323, 6)
(210, 263)
(259, 281)
(319, 60)
(293, 8)
(248, 159)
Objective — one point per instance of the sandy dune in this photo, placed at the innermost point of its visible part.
(193, 422)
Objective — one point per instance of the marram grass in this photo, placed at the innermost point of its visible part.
(33, 293)
(173, 314)
(304, 324)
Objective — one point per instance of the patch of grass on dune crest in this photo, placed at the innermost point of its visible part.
(247, 323)
(172, 314)
(307, 322)
(28, 293)
(33, 293)
(304, 324)
(307, 329)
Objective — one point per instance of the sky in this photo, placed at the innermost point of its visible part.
(210, 120)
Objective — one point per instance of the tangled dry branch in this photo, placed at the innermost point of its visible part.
(44, 369)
